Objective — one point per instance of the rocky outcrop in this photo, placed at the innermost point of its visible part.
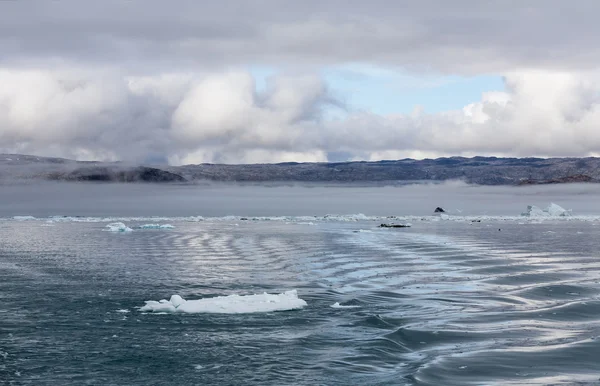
(108, 174)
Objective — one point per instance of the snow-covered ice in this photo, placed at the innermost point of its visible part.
(232, 304)
(118, 227)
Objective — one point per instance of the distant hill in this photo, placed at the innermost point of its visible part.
(476, 170)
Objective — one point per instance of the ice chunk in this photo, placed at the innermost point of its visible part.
(118, 227)
(23, 218)
(232, 304)
(338, 305)
(534, 211)
(156, 226)
(154, 306)
(557, 210)
(177, 300)
(552, 210)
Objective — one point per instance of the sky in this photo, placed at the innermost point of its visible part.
(234, 81)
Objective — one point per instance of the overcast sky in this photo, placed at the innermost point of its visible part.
(281, 80)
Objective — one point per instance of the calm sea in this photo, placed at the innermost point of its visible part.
(480, 296)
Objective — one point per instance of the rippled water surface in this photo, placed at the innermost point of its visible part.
(496, 302)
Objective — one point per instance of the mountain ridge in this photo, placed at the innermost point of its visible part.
(475, 170)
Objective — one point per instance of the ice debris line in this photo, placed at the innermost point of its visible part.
(552, 210)
(156, 226)
(232, 304)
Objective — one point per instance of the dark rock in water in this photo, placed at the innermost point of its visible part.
(475, 220)
(394, 226)
(439, 210)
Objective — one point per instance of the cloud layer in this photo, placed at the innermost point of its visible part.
(157, 82)
(221, 117)
(461, 36)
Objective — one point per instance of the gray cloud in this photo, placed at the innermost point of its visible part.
(459, 36)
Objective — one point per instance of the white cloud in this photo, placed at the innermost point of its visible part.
(220, 117)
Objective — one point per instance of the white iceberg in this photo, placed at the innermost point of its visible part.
(156, 226)
(557, 210)
(232, 304)
(118, 227)
(552, 210)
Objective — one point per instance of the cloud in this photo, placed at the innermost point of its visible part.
(221, 117)
(542, 113)
(461, 36)
(155, 81)
(216, 117)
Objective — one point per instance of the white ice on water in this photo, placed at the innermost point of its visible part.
(338, 305)
(156, 226)
(118, 227)
(552, 210)
(232, 304)
(23, 218)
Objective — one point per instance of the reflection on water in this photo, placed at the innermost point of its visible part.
(441, 303)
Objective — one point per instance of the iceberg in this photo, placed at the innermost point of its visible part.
(232, 304)
(118, 227)
(156, 226)
(557, 210)
(552, 210)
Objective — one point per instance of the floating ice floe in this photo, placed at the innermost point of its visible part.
(232, 304)
(552, 210)
(23, 218)
(118, 227)
(156, 226)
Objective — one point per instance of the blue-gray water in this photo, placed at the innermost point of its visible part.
(445, 302)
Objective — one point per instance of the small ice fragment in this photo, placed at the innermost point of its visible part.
(23, 218)
(123, 311)
(156, 226)
(118, 227)
(338, 305)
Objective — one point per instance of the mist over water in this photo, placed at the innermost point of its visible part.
(217, 200)
(499, 301)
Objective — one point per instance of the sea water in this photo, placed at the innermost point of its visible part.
(295, 285)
